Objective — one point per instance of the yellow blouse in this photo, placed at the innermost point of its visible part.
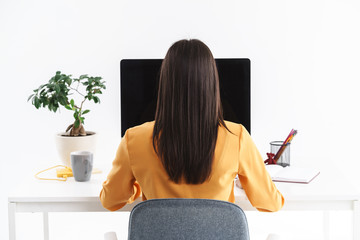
(138, 171)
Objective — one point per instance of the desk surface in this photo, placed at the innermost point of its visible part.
(328, 191)
(327, 186)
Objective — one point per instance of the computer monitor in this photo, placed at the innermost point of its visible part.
(139, 83)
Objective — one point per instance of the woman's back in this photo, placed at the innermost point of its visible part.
(235, 154)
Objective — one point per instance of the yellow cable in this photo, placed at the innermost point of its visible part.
(63, 178)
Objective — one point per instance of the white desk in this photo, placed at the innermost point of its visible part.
(324, 193)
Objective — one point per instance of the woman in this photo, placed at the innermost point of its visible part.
(189, 151)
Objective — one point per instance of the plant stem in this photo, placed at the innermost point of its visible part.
(82, 103)
(77, 91)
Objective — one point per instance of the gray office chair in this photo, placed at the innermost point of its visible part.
(187, 219)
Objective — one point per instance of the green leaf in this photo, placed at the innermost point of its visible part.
(68, 81)
(68, 107)
(72, 103)
(37, 102)
(86, 111)
(97, 79)
(63, 100)
(30, 97)
(89, 96)
(83, 76)
(57, 76)
(97, 91)
(57, 88)
(96, 99)
(45, 101)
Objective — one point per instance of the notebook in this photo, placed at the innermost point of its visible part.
(291, 174)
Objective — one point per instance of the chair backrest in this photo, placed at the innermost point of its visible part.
(187, 219)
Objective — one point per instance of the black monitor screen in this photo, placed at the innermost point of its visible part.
(138, 85)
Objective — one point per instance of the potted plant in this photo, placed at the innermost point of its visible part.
(63, 90)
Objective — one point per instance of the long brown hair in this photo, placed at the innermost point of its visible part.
(188, 112)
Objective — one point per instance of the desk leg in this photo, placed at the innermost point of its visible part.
(356, 220)
(326, 225)
(12, 222)
(46, 225)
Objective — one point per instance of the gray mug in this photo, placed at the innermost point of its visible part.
(81, 164)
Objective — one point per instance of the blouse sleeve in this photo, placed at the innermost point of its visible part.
(120, 186)
(254, 178)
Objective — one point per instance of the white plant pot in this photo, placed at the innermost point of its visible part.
(67, 144)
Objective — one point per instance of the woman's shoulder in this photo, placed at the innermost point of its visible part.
(141, 130)
(235, 128)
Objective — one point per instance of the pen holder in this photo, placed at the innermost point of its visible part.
(284, 159)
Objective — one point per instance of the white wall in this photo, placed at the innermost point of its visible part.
(305, 58)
